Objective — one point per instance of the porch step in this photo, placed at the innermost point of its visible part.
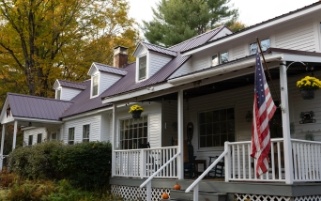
(180, 195)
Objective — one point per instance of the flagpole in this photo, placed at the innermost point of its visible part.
(267, 69)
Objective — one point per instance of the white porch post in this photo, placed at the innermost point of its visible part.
(14, 134)
(288, 160)
(113, 140)
(2, 145)
(180, 141)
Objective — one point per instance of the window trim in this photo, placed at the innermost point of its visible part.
(39, 140)
(58, 94)
(139, 78)
(93, 89)
(87, 139)
(71, 141)
(143, 120)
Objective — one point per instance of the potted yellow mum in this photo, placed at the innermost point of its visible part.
(136, 111)
(308, 85)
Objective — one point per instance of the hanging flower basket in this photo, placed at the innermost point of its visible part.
(136, 111)
(307, 86)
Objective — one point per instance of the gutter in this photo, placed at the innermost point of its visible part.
(227, 68)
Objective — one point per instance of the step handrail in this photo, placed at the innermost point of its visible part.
(192, 186)
(157, 171)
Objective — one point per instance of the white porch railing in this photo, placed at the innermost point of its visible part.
(144, 162)
(241, 165)
(306, 160)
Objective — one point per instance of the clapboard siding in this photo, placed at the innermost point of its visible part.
(68, 93)
(169, 119)
(106, 125)
(95, 129)
(238, 52)
(184, 69)
(106, 81)
(154, 117)
(297, 38)
(156, 62)
(34, 132)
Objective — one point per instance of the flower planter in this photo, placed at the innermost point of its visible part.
(307, 94)
(136, 114)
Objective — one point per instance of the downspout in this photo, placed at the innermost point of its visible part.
(288, 160)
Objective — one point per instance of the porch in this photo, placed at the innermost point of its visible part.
(240, 180)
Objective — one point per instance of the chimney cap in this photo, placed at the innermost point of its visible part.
(120, 49)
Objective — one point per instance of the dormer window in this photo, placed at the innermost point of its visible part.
(142, 62)
(94, 85)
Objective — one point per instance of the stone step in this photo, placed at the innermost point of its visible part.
(180, 195)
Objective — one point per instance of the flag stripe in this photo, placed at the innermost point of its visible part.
(263, 110)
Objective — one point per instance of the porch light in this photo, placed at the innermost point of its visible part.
(248, 116)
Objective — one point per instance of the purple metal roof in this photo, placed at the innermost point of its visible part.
(69, 84)
(25, 106)
(159, 49)
(109, 69)
(195, 41)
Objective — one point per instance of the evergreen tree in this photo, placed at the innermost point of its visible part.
(177, 20)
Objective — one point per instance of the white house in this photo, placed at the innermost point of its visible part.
(197, 98)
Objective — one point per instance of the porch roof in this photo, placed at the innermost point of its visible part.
(34, 107)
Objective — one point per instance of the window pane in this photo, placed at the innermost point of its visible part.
(253, 48)
(86, 131)
(39, 138)
(216, 127)
(215, 60)
(265, 44)
(95, 85)
(142, 68)
(224, 57)
(71, 135)
(30, 140)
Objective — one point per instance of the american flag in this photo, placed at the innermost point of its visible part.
(263, 110)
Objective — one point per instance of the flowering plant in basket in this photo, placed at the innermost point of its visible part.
(135, 108)
(308, 83)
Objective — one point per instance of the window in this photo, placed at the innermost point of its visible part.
(71, 135)
(85, 133)
(216, 127)
(133, 133)
(30, 140)
(94, 90)
(142, 68)
(53, 136)
(265, 44)
(58, 94)
(39, 138)
(221, 58)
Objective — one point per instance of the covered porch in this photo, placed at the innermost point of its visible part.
(294, 156)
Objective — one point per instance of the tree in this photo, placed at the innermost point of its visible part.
(177, 20)
(42, 40)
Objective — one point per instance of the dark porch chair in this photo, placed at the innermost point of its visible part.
(218, 170)
(189, 166)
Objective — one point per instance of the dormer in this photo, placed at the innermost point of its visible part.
(66, 90)
(150, 59)
(102, 77)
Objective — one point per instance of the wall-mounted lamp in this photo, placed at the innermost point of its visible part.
(248, 116)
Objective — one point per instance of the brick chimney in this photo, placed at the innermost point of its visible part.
(120, 56)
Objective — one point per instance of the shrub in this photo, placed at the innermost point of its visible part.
(7, 178)
(86, 165)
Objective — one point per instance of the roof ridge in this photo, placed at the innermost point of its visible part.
(159, 46)
(198, 36)
(36, 97)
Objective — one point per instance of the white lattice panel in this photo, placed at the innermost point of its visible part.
(130, 193)
(248, 197)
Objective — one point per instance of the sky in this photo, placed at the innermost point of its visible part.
(250, 11)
